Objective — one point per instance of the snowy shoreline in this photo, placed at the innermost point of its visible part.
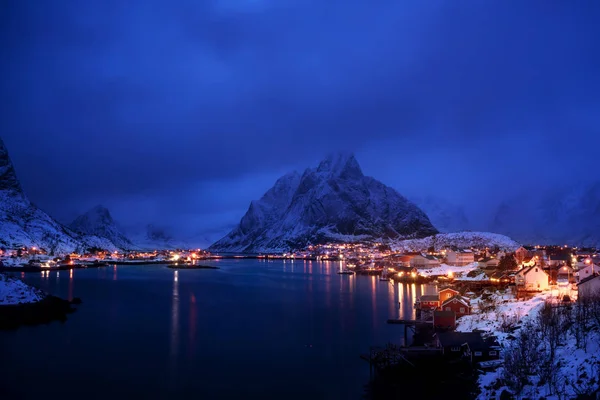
(14, 291)
(21, 304)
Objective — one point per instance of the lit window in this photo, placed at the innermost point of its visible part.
(477, 354)
(493, 353)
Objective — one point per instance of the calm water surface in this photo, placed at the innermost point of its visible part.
(254, 328)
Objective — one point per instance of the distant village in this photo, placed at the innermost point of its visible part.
(483, 297)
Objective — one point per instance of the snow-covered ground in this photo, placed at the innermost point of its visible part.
(461, 240)
(576, 364)
(15, 291)
(445, 269)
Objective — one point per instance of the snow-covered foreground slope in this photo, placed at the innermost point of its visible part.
(23, 224)
(331, 203)
(14, 291)
(577, 367)
(458, 239)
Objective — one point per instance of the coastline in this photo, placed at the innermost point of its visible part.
(25, 305)
(49, 309)
(191, 266)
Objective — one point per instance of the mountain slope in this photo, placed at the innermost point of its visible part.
(564, 215)
(99, 222)
(333, 202)
(23, 224)
(445, 216)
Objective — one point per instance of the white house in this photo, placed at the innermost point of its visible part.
(522, 253)
(589, 286)
(424, 261)
(532, 279)
(460, 257)
(588, 270)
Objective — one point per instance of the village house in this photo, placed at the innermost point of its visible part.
(502, 277)
(558, 260)
(470, 345)
(565, 273)
(460, 257)
(589, 287)
(532, 279)
(522, 253)
(433, 301)
(424, 261)
(458, 304)
(444, 320)
(588, 269)
(402, 260)
(528, 262)
(488, 262)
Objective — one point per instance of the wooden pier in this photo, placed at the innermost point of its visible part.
(381, 358)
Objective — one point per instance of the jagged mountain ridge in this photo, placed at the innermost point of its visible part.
(24, 224)
(333, 202)
(568, 214)
(98, 222)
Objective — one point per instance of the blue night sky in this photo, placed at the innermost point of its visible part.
(181, 112)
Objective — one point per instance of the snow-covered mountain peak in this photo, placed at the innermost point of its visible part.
(340, 164)
(333, 202)
(98, 221)
(8, 176)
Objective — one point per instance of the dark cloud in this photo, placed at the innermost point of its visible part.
(121, 100)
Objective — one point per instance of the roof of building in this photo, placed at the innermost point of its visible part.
(527, 270)
(429, 297)
(587, 279)
(559, 257)
(473, 339)
(449, 288)
(452, 339)
(458, 298)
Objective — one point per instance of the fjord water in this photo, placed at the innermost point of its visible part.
(253, 328)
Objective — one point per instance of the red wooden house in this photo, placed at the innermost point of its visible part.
(444, 320)
(447, 293)
(428, 302)
(458, 304)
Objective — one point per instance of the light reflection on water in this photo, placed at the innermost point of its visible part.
(291, 305)
(174, 346)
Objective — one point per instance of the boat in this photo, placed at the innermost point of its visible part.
(345, 272)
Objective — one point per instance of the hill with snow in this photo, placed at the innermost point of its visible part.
(99, 222)
(334, 202)
(566, 214)
(461, 240)
(23, 224)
